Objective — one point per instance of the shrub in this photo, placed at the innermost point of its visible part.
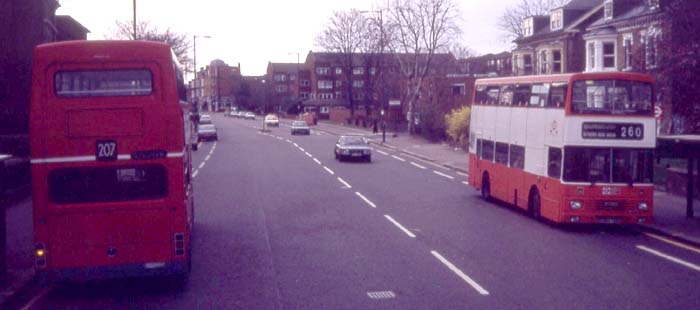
(458, 125)
(432, 125)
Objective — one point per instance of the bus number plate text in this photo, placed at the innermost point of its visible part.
(106, 150)
(592, 130)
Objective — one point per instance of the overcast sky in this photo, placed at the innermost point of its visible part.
(257, 31)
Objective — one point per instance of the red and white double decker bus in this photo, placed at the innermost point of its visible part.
(571, 148)
(111, 166)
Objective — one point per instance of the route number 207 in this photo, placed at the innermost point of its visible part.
(106, 150)
(631, 132)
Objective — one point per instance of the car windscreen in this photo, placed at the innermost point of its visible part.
(299, 124)
(103, 83)
(206, 127)
(352, 141)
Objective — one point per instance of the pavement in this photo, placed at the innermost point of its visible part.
(669, 210)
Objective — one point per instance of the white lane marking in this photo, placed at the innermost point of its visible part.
(329, 170)
(207, 158)
(444, 175)
(344, 183)
(382, 152)
(462, 174)
(465, 182)
(669, 257)
(459, 273)
(36, 298)
(296, 145)
(678, 244)
(419, 166)
(317, 161)
(302, 149)
(398, 158)
(290, 141)
(280, 138)
(371, 204)
(381, 295)
(392, 220)
(318, 134)
(201, 165)
(308, 154)
(194, 174)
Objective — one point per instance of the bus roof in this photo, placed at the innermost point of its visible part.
(84, 50)
(565, 78)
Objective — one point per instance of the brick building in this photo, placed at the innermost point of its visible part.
(290, 85)
(489, 65)
(215, 86)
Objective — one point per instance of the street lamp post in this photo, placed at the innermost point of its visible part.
(135, 20)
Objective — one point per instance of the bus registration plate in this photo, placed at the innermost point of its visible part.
(106, 150)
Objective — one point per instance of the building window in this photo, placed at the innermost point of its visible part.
(323, 70)
(358, 84)
(608, 9)
(358, 96)
(338, 83)
(292, 77)
(627, 44)
(338, 70)
(338, 95)
(372, 71)
(608, 55)
(304, 95)
(527, 64)
(358, 70)
(543, 62)
(325, 96)
(279, 77)
(325, 84)
(556, 20)
(281, 88)
(324, 110)
(458, 89)
(651, 47)
(528, 27)
(591, 56)
(305, 83)
(556, 61)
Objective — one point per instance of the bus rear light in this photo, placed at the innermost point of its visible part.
(575, 205)
(643, 206)
(40, 252)
(179, 244)
(575, 219)
(641, 220)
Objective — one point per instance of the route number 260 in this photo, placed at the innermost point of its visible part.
(631, 132)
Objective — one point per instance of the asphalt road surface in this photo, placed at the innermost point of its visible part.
(282, 225)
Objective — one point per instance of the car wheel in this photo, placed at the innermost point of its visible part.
(535, 204)
(485, 187)
(369, 158)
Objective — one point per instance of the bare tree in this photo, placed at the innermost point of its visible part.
(180, 43)
(512, 20)
(460, 51)
(345, 35)
(419, 29)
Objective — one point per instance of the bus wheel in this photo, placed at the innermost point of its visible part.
(485, 187)
(535, 204)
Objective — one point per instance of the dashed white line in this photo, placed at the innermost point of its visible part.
(370, 203)
(201, 165)
(194, 174)
(670, 258)
(419, 166)
(465, 182)
(308, 154)
(296, 145)
(398, 158)
(444, 175)
(344, 183)
(280, 138)
(207, 158)
(382, 152)
(406, 231)
(290, 141)
(317, 161)
(462, 174)
(302, 149)
(329, 170)
(459, 273)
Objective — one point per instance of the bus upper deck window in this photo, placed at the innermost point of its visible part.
(103, 83)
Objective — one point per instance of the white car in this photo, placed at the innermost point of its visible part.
(272, 120)
(249, 115)
(205, 119)
(206, 132)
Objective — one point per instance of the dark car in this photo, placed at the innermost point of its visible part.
(350, 147)
(300, 127)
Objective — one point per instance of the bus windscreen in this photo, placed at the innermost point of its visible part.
(612, 97)
(103, 83)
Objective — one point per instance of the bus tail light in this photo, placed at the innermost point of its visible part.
(179, 244)
(40, 253)
(643, 206)
(575, 219)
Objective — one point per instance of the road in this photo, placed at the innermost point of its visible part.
(282, 225)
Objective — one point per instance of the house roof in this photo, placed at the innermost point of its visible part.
(286, 67)
(68, 20)
(642, 9)
(582, 4)
(588, 7)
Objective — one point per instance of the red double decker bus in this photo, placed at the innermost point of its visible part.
(571, 148)
(111, 163)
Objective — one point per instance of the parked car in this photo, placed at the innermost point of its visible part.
(249, 115)
(205, 119)
(272, 120)
(206, 132)
(350, 147)
(232, 113)
(300, 127)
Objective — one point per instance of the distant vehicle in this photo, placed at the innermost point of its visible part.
(111, 162)
(352, 147)
(207, 132)
(249, 115)
(570, 148)
(205, 119)
(272, 120)
(300, 127)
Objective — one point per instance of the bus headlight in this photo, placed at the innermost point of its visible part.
(643, 206)
(575, 205)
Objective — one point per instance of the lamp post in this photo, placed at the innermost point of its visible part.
(384, 110)
(135, 20)
(194, 45)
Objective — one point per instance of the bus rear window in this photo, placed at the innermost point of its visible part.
(88, 185)
(103, 83)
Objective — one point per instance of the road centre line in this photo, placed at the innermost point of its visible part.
(317, 161)
(669, 257)
(207, 158)
(194, 174)
(201, 165)
(344, 183)
(392, 220)
(465, 182)
(290, 141)
(444, 175)
(370, 203)
(36, 298)
(462, 174)
(419, 166)
(329, 170)
(398, 158)
(302, 149)
(382, 152)
(678, 244)
(308, 154)
(459, 273)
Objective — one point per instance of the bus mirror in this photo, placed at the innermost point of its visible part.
(194, 146)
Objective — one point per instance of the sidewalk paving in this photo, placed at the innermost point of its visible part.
(669, 210)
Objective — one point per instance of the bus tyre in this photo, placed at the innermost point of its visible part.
(535, 204)
(485, 187)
